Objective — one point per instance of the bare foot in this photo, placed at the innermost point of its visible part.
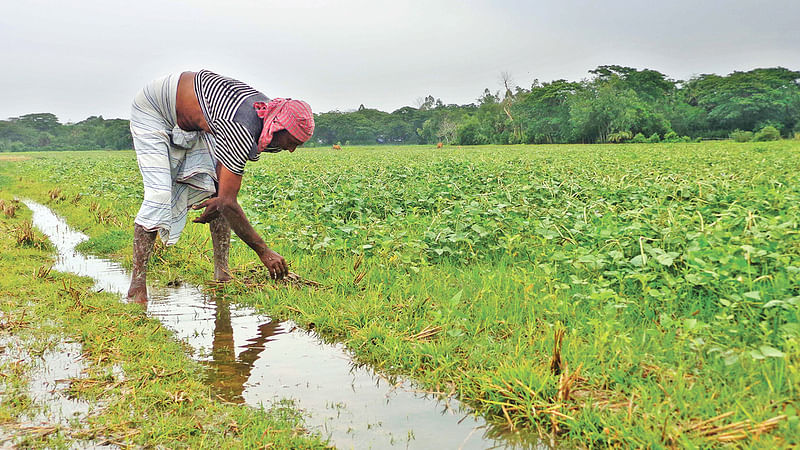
(137, 294)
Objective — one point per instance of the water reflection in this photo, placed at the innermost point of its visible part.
(231, 372)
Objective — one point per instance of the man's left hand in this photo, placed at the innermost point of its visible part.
(213, 210)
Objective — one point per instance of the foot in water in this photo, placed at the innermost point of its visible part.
(137, 294)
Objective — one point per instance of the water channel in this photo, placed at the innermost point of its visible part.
(258, 361)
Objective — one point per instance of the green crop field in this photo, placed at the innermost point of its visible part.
(635, 295)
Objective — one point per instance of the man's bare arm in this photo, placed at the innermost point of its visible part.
(225, 204)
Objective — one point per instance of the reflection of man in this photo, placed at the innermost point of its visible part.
(232, 374)
(193, 134)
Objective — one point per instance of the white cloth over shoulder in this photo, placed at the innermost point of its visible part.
(177, 166)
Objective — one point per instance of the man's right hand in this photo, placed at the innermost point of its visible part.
(225, 204)
(275, 263)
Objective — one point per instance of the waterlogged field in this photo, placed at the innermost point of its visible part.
(640, 295)
(80, 369)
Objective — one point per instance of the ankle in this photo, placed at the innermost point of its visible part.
(137, 293)
(222, 274)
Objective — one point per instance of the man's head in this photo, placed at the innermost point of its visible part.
(294, 117)
(282, 140)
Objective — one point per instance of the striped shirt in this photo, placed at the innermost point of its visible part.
(227, 105)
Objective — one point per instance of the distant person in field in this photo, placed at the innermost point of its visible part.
(193, 134)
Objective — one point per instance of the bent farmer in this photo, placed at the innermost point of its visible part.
(193, 134)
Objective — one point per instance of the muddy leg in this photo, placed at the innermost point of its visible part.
(221, 239)
(142, 248)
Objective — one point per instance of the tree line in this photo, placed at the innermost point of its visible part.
(43, 131)
(614, 104)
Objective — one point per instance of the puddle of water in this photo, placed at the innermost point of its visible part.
(49, 381)
(50, 375)
(258, 361)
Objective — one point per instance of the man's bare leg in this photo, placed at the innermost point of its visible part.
(221, 239)
(142, 248)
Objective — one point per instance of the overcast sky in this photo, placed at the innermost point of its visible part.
(89, 57)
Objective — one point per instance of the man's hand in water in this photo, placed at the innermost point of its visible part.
(275, 263)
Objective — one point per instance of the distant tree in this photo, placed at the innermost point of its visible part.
(741, 136)
(687, 119)
(768, 133)
(619, 136)
(413, 119)
(40, 121)
(748, 100)
(470, 133)
(650, 85)
(430, 103)
(545, 111)
(447, 129)
(672, 137)
(601, 109)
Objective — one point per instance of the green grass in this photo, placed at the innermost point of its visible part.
(672, 269)
(107, 243)
(162, 398)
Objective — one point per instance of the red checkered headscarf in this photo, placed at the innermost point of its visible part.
(294, 116)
